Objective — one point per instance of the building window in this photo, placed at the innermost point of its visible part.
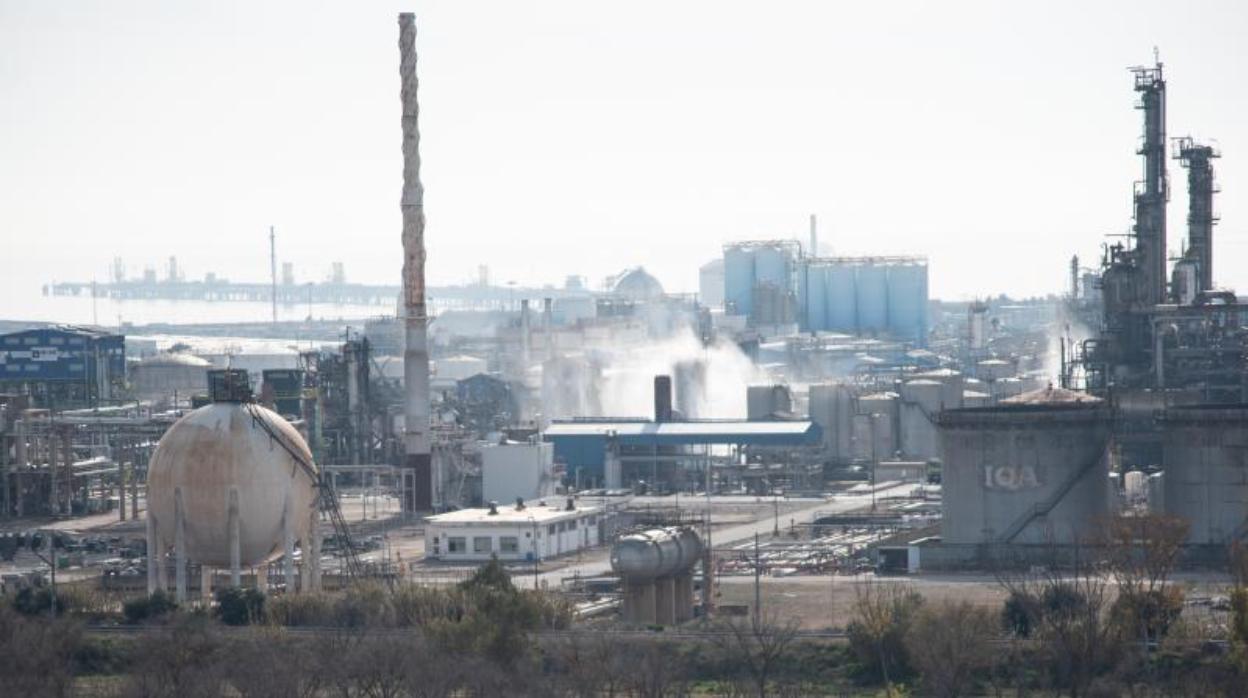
(482, 544)
(551, 529)
(30, 341)
(456, 544)
(563, 526)
(593, 520)
(508, 544)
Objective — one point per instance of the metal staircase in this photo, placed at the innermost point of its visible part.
(326, 498)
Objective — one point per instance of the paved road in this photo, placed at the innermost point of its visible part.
(597, 562)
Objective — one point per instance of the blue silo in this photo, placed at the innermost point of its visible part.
(841, 289)
(907, 301)
(872, 299)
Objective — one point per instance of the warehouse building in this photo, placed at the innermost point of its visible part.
(63, 366)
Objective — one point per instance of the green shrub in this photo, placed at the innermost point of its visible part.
(32, 601)
(240, 606)
(143, 608)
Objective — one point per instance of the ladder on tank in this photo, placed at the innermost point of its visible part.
(326, 497)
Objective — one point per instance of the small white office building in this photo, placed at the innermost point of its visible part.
(513, 532)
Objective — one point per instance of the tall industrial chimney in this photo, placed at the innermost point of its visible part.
(273, 270)
(417, 450)
(814, 237)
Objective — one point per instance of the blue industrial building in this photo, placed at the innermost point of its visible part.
(585, 446)
(63, 366)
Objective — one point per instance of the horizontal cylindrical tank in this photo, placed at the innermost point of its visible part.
(229, 447)
(1032, 472)
(659, 552)
(1205, 456)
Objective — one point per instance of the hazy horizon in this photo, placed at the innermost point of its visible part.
(571, 138)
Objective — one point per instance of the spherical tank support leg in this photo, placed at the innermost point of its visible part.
(155, 568)
(179, 545)
(235, 542)
(288, 547)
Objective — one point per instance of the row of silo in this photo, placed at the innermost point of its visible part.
(759, 277)
(867, 296)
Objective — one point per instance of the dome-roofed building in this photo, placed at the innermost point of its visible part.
(638, 285)
(161, 376)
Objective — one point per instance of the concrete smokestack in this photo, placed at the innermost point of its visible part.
(814, 236)
(662, 398)
(417, 470)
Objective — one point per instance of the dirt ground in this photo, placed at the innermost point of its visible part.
(823, 602)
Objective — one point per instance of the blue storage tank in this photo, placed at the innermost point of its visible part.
(816, 298)
(872, 298)
(907, 301)
(841, 289)
(738, 279)
(773, 265)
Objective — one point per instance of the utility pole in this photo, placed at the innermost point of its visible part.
(273, 269)
(758, 570)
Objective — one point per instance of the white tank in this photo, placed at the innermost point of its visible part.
(226, 447)
(659, 552)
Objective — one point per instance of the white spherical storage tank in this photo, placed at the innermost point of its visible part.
(229, 485)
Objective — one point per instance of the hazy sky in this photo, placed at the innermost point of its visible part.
(583, 137)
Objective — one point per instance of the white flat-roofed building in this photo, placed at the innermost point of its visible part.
(512, 532)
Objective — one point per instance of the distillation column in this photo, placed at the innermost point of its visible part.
(1152, 192)
(1196, 158)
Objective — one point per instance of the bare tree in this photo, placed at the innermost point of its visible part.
(757, 644)
(948, 643)
(1068, 601)
(882, 616)
(269, 663)
(1141, 552)
(36, 655)
(181, 659)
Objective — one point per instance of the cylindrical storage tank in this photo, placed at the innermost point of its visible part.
(738, 279)
(1033, 471)
(1205, 455)
(230, 447)
(974, 398)
(162, 375)
(773, 265)
(872, 297)
(840, 282)
(993, 369)
(832, 410)
(920, 405)
(660, 552)
(816, 298)
(907, 301)
(764, 401)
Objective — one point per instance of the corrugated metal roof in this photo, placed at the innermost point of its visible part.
(690, 430)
